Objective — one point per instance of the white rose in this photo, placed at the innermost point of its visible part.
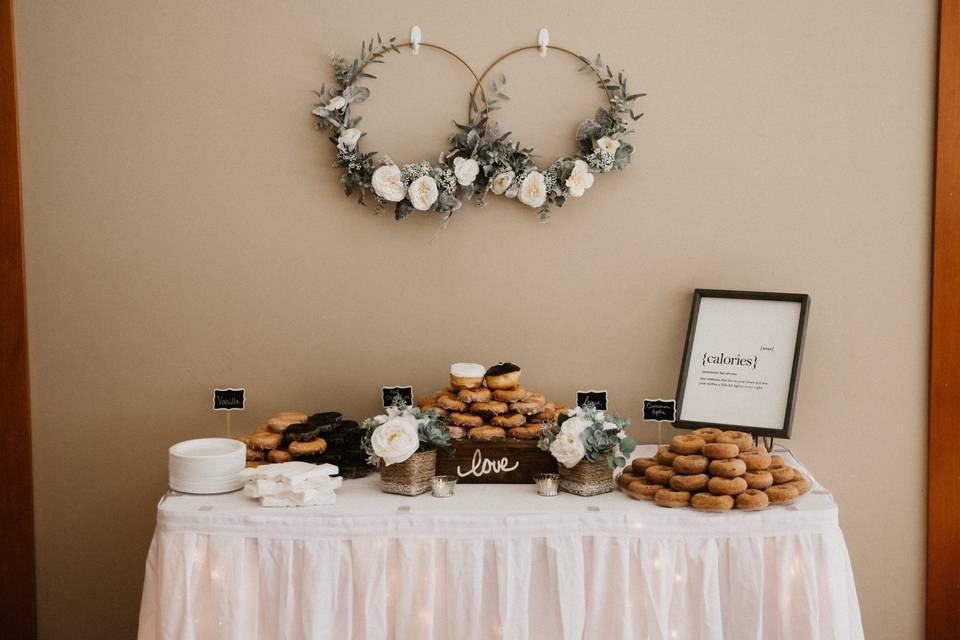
(336, 103)
(580, 179)
(388, 184)
(610, 426)
(423, 193)
(607, 145)
(501, 182)
(575, 425)
(348, 139)
(466, 170)
(396, 439)
(533, 190)
(567, 449)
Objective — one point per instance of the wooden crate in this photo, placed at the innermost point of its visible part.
(495, 461)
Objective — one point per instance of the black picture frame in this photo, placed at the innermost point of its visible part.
(783, 430)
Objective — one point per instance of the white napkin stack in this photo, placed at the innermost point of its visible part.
(292, 484)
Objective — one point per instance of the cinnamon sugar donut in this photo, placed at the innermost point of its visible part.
(782, 494)
(492, 408)
(800, 482)
(720, 450)
(510, 421)
(480, 394)
(516, 394)
(691, 464)
(486, 433)
(670, 498)
(709, 434)
(777, 461)
(758, 479)
(642, 489)
(640, 465)
(529, 432)
(755, 458)
(659, 474)
(710, 502)
(626, 478)
(665, 457)
(691, 483)
(727, 486)
(686, 444)
(464, 419)
(781, 474)
(739, 438)
(451, 403)
(752, 500)
(732, 468)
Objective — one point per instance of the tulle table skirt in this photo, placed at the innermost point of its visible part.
(495, 561)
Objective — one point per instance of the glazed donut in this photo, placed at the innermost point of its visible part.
(480, 394)
(758, 479)
(697, 482)
(626, 478)
(640, 465)
(464, 419)
(466, 375)
(659, 474)
(503, 375)
(265, 441)
(493, 408)
(641, 489)
(665, 457)
(752, 500)
(529, 432)
(739, 438)
(255, 455)
(720, 450)
(782, 494)
(732, 468)
(709, 434)
(781, 474)
(441, 413)
(509, 421)
(427, 403)
(727, 486)
(670, 498)
(457, 433)
(279, 455)
(261, 428)
(295, 416)
(279, 425)
(755, 458)
(777, 461)
(548, 414)
(451, 403)
(710, 502)
(517, 394)
(529, 406)
(311, 448)
(686, 444)
(486, 433)
(690, 464)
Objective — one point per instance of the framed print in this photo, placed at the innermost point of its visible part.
(741, 361)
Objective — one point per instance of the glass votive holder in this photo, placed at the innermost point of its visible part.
(443, 486)
(547, 483)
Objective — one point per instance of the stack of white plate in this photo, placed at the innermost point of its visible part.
(207, 465)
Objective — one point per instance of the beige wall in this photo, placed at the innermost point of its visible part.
(184, 230)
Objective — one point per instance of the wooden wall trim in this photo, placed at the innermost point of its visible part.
(18, 617)
(943, 499)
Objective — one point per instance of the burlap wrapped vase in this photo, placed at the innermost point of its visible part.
(410, 477)
(587, 478)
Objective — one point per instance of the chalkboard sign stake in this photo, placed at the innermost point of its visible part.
(229, 400)
(228, 424)
(659, 436)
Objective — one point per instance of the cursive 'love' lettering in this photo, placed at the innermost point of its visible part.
(482, 466)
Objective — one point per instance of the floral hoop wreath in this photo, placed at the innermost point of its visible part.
(422, 186)
(511, 170)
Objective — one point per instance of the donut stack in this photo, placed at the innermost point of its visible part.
(714, 470)
(319, 438)
(490, 404)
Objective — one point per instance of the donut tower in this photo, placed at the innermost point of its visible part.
(490, 404)
(714, 470)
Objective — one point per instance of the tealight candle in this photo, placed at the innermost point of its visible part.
(547, 483)
(443, 486)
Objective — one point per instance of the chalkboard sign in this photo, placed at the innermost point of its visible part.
(390, 395)
(659, 410)
(597, 398)
(228, 399)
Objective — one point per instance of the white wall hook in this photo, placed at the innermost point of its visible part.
(415, 39)
(543, 39)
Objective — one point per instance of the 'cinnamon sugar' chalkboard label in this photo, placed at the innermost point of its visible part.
(228, 399)
(597, 398)
(659, 410)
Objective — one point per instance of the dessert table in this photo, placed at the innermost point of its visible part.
(496, 561)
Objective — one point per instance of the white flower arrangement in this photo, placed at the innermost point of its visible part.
(587, 433)
(401, 432)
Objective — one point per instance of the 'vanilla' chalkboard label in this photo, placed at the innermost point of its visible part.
(228, 399)
(659, 410)
(390, 395)
(597, 398)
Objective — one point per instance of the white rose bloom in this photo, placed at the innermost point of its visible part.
(610, 426)
(336, 103)
(395, 440)
(501, 182)
(388, 184)
(423, 193)
(512, 191)
(533, 190)
(567, 449)
(466, 170)
(348, 139)
(575, 425)
(580, 179)
(607, 145)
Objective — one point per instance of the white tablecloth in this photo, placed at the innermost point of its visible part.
(495, 561)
